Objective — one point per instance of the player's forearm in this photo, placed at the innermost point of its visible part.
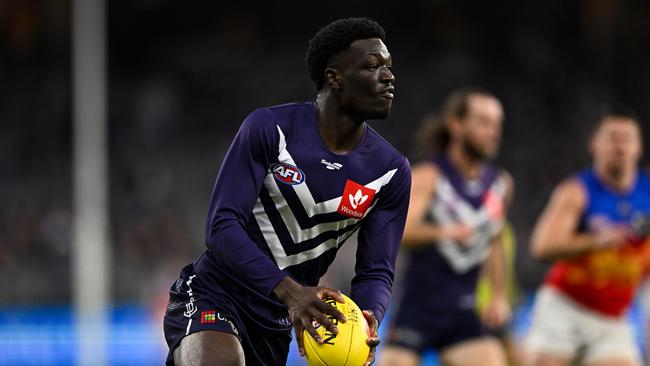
(421, 234)
(548, 249)
(285, 289)
(496, 270)
(233, 247)
(373, 281)
(372, 293)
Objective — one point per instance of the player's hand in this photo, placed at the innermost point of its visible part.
(641, 226)
(305, 305)
(611, 236)
(373, 335)
(497, 312)
(460, 233)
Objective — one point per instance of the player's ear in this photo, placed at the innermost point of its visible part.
(453, 126)
(591, 145)
(333, 78)
(642, 147)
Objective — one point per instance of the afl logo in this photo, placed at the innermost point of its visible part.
(287, 173)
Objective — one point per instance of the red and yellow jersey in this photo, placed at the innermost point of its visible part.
(606, 280)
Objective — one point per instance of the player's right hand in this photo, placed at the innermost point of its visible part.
(460, 233)
(373, 335)
(306, 306)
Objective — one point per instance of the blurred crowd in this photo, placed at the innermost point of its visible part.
(182, 76)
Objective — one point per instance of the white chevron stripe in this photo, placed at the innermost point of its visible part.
(281, 258)
(312, 208)
(299, 235)
(304, 194)
(268, 232)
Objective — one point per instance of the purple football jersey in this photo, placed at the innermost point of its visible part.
(283, 204)
(444, 275)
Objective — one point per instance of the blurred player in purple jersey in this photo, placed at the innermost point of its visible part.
(298, 180)
(453, 232)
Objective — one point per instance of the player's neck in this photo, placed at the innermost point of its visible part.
(339, 131)
(622, 182)
(468, 166)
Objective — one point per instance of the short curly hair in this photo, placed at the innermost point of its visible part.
(334, 38)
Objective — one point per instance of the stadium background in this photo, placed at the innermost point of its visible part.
(183, 75)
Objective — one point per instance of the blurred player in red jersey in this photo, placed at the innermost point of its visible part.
(595, 229)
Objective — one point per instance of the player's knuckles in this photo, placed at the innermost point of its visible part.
(306, 319)
(336, 294)
(322, 291)
(325, 308)
(326, 292)
(319, 309)
(314, 334)
(336, 313)
(307, 310)
(373, 342)
(324, 321)
(307, 325)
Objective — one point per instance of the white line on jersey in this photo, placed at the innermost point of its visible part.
(189, 324)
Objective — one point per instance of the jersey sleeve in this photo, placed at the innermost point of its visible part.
(235, 193)
(378, 245)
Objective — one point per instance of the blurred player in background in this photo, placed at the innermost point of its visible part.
(298, 180)
(453, 232)
(595, 229)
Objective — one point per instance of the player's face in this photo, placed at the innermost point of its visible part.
(616, 145)
(482, 126)
(366, 82)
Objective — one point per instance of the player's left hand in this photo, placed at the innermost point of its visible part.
(373, 335)
(497, 312)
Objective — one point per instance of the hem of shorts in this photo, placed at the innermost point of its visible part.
(170, 355)
(570, 354)
(614, 355)
(581, 306)
(465, 340)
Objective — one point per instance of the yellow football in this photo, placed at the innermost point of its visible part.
(348, 347)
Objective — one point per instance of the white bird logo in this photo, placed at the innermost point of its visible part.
(358, 199)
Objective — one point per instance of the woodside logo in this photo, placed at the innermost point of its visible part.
(356, 200)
